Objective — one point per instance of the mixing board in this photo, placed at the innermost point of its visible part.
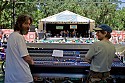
(71, 68)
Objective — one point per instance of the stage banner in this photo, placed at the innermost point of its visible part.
(30, 37)
(7, 31)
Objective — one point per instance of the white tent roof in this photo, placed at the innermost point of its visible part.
(67, 16)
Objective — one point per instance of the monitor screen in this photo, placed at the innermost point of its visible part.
(59, 27)
(73, 26)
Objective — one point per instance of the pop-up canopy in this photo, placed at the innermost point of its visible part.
(67, 17)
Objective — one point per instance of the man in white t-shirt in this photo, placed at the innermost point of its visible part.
(101, 55)
(17, 68)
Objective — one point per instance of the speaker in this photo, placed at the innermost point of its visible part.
(32, 28)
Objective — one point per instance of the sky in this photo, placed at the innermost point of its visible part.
(123, 4)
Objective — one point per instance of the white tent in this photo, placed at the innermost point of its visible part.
(67, 17)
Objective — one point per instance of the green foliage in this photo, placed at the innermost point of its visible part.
(102, 11)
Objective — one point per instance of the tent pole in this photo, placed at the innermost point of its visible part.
(89, 30)
(45, 25)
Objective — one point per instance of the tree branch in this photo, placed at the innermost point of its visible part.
(4, 5)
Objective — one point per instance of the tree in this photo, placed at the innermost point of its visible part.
(2, 7)
(102, 11)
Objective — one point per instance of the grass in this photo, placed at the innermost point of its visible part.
(1, 74)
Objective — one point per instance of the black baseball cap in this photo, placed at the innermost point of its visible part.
(103, 27)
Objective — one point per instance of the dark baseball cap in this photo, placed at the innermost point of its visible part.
(103, 27)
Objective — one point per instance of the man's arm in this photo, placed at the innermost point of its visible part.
(28, 59)
(87, 59)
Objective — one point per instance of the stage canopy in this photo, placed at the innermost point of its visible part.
(66, 17)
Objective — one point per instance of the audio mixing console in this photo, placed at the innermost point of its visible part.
(71, 68)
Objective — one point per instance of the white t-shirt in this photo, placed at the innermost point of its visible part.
(102, 55)
(17, 70)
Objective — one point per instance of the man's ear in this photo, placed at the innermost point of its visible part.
(106, 32)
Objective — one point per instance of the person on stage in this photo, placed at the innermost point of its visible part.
(100, 56)
(17, 68)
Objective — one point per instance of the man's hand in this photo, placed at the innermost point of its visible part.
(29, 60)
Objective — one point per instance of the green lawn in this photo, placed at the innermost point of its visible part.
(1, 74)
